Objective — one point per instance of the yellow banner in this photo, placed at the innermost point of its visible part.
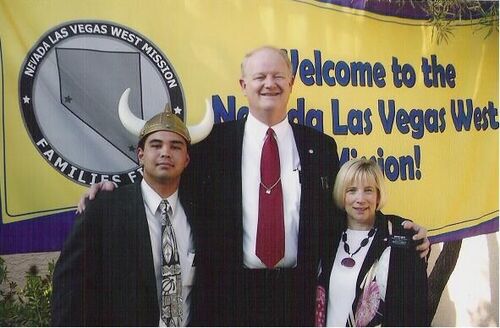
(379, 85)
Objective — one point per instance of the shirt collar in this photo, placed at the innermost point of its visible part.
(153, 200)
(256, 129)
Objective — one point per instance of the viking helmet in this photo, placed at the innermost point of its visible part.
(165, 121)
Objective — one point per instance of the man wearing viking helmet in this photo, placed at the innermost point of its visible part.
(129, 260)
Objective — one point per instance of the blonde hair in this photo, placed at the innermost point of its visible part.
(359, 169)
(279, 51)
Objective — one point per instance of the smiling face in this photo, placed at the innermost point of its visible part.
(360, 201)
(267, 83)
(164, 157)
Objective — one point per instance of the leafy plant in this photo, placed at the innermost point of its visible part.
(28, 306)
(444, 15)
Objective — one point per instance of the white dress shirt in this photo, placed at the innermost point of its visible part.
(253, 140)
(184, 239)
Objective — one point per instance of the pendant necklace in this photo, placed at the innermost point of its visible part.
(349, 262)
(269, 189)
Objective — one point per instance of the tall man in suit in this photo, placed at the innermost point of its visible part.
(237, 282)
(243, 289)
(129, 258)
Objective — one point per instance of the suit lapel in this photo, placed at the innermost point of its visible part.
(236, 162)
(235, 171)
(309, 161)
(303, 147)
(374, 252)
(306, 152)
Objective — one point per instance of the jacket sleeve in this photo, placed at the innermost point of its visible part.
(409, 304)
(422, 317)
(76, 275)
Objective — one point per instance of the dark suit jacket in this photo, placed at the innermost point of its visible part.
(406, 295)
(216, 169)
(105, 273)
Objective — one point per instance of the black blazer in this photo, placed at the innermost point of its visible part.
(406, 295)
(105, 273)
(216, 170)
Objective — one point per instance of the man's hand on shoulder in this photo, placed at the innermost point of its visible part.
(92, 192)
(421, 235)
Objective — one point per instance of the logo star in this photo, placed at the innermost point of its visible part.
(177, 110)
(131, 148)
(26, 100)
(68, 99)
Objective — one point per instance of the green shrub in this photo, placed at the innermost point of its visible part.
(28, 306)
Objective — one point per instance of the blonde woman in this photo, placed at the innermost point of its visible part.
(372, 274)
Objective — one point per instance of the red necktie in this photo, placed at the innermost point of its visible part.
(270, 230)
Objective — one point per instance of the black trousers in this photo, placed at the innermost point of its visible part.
(268, 298)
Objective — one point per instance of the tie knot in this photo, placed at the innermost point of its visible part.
(165, 208)
(270, 132)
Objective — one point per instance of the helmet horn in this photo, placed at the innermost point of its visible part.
(202, 130)
(134, 124)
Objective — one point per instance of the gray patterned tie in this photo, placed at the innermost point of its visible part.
(171, 283)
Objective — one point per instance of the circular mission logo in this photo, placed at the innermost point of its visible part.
(69, 87)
